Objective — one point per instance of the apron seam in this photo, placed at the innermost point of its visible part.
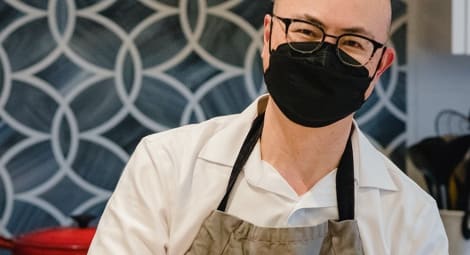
(230, 238)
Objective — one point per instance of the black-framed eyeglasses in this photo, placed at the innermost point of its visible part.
(306, 37)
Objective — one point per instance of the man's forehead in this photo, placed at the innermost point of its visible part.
(386, 4)
(373, 16)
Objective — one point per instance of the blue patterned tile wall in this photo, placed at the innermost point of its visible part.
(83, 80)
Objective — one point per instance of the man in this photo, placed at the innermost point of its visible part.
(292, 174)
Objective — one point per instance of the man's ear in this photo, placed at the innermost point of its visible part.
(385, 63)
(266, 38)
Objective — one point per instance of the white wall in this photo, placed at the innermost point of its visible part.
(437, 79)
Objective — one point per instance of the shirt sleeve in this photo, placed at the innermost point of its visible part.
(135, 220)
(428, 236)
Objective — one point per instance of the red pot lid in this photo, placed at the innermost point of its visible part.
(59, 238)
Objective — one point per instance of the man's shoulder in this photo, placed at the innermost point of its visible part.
(409, 200)
(400, 214)
(407, 187)
(189, 135)
(378, 171)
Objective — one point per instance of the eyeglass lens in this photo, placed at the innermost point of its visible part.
(307, 38)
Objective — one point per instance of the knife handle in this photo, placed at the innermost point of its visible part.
(466, 217)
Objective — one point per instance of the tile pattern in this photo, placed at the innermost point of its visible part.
(83, 80)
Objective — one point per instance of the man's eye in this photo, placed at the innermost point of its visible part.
(353, 44)
(307, 32)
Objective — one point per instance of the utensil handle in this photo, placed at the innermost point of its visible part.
(443, 196)
(466, 226)
(466, 217)
(6, 243)
(83, 220)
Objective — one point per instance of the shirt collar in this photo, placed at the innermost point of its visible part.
(223, 147)
(370, 165)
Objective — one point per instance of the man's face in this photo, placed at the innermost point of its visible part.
(363, 17)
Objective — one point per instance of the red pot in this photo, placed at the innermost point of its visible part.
(52, 241)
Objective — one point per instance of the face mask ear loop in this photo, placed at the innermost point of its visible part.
(378, 65)
(270, 33)
(380, 62)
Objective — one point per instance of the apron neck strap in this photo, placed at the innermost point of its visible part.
(248, 145)
(345, 183)
(344, 177)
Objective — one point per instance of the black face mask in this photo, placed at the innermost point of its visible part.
(317, 89)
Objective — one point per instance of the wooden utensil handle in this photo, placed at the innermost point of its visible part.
(466, 217)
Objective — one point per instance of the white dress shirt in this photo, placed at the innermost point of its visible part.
(174, 179)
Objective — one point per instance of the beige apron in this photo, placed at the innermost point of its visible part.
(225, 234)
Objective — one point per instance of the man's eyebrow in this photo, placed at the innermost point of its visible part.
(358, 30)
(352, 30)
(313, 20)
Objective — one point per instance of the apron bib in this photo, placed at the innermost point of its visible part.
(224, 234)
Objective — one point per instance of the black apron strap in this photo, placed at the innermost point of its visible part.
(345, 184)
(344, 177)
(248, 145)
